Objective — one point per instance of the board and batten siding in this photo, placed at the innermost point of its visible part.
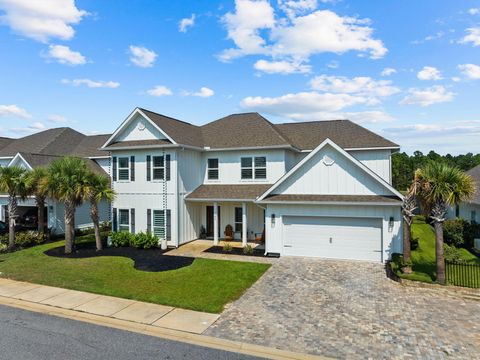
(134, 132)
(330, 172)
(379, 161)
(391, 236)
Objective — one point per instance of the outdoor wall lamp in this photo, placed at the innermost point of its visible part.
(390, 224)
(273, 220)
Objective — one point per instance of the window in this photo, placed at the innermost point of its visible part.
(238, 219)
(473, 216)
(162, 224)
(212, 169)
(158, 168)
(124, 220)
(457, 211)
(123, 168)
(254, 168)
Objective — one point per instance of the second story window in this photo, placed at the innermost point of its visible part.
(254, 168)
(158, 168)
(212, 169)
(123, 168)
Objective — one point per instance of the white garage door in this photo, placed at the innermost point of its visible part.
(338, 238)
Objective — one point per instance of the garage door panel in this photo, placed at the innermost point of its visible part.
(341, 238)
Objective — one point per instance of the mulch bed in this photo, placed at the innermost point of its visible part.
(235, 251)
(151, 260)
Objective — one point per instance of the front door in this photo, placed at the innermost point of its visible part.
(210, 221)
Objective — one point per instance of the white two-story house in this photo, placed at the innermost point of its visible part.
(312, 189)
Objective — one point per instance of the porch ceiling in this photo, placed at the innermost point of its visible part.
(247, 192)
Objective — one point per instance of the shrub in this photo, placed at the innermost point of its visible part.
(29, 238)
(106, 226)
(248, 250)
(227, 247)
(144, 241)
(453, 232)
(3, 247)
(451, 253)
(122, 238)
(414, 243)
(471, 231)
(4, 239)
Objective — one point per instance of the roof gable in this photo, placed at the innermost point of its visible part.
(331, 170)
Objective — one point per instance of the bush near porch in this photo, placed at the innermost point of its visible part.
(423, 254)
(206, 285)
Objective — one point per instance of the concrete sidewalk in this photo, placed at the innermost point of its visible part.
(138, 312)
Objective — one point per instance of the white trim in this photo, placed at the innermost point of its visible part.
(141, 147)
(219, 200)
(343, 152)
(6, 157)
(365, 148)
(128, 120)
(99, 157)
(364, 203)
(209, 149)
(18, 155)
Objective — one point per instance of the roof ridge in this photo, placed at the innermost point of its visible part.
(313, 121)
(280, 134)
(168, 117)
(53, 138)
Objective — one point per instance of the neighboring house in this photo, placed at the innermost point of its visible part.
(469, 210)
(41, 149)
(314, 188)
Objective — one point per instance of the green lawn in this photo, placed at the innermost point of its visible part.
(423, 257)
(206, 285)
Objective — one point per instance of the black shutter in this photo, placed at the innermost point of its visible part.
(149, 221)
(114, 219)
(168, 227)
(149, 167)
(114, 160)
(132, 168)
(167, 167)
(132, 221)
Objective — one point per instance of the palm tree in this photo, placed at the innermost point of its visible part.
(98, 189)
(34, 181)
(442, 186)
(409, 206)
(66, 182)
(12, 182)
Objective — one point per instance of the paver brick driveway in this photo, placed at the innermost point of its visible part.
(346, 309)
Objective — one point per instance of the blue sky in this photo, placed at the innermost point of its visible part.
(409, 70)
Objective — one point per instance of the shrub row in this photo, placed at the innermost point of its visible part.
(24, 239)
(140, 240)
(460, 233)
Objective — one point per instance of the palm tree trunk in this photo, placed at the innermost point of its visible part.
(12, 216)
(407, 237)
(96, 224)
(69, 224)
(439, 252)
(41, 214)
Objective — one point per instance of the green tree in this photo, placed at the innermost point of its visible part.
(98, 189)
(35, 180)
(67, 183)
(441, 186)
(12, 182)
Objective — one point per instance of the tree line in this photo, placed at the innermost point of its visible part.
(67, 180)
(404, 165)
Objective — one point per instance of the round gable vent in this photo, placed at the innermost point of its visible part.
(141, 126)
(327, 160)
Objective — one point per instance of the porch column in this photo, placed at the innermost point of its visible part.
(215, 223)
(244, 224)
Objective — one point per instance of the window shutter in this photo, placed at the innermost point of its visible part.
(167, 167)
(114, 160)
(149, 221)
(114, 219)
(132, 221)
(132, 168)
(149, 167)
(169, 225)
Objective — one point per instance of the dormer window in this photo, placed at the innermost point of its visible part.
(123, 168)
(212, 169)
(253, 167)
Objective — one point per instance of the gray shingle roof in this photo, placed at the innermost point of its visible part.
(334, 198)
(475, 174)
(4, 141)
(228, 192)
(89, 146)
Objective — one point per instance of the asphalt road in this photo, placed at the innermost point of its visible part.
(28, 335)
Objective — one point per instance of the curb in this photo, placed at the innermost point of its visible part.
(164, 333)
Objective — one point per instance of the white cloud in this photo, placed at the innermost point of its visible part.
(474, 11)
(92, 83)
(428, 96)
(434, 130)
(34, 127)
(186, 23)
(14, 110)
(255, 30)
(471, 71)
(281, 67)
(473, 36)
(159, 91)
(361, 85)
(436, 36)
(204, 92)
(41, 20)
(333, 64)
(297, 7)
(141, 56)
(388, 71)
(57, 119)
(63, 55)
(429, 73)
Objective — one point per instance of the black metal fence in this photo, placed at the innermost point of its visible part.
(462, 274)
